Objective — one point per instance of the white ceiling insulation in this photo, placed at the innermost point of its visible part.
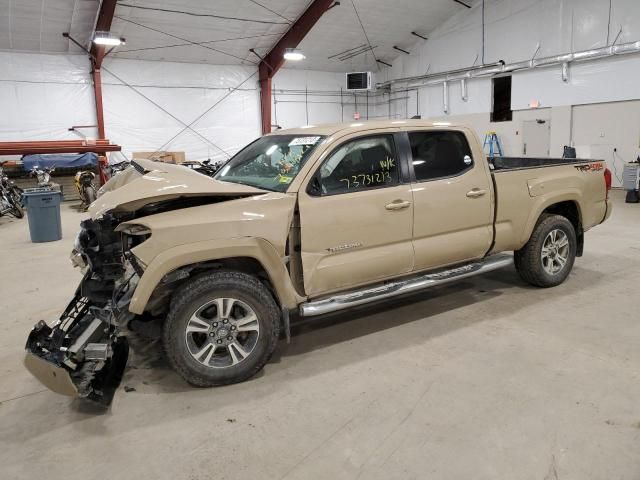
(226, 29)
(37, 25)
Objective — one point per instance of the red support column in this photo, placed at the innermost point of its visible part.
(265, 98)
(97, 92)
(103, 24)
(275, 58)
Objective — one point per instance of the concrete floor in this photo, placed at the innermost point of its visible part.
(486, 379)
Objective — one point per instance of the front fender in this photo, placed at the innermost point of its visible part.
(190, 253)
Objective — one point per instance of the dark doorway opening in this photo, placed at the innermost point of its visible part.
(501, 108)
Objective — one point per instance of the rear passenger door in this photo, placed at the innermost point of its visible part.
(452, 199)
(356, 215)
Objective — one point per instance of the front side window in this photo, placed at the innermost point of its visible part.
(439, 154)
(357, 165)
(271, 162)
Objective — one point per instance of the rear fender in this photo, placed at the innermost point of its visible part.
(543, 203)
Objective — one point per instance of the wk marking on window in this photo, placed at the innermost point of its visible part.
(387, 163)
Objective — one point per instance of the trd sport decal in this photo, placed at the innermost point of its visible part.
(591, 167)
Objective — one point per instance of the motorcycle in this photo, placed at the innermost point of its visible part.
(10, 196)
(43, 175)
(84, 182)
(205, 167)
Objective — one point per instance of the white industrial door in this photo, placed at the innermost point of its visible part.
(536, 138)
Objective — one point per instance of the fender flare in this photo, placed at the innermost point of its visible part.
(187, 254)
(546, 201)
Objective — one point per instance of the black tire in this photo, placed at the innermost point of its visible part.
(90, 195)
(16, 201)
(529, 259)
(188, 300)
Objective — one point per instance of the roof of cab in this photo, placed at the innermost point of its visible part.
(332, 128)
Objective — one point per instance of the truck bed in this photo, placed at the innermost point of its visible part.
(525, 186)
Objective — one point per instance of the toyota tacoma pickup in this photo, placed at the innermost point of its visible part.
(300, 223)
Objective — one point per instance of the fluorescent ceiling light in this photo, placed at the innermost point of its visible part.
(106, 38)
(293, 54)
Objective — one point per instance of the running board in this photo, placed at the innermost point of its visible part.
(401, 287)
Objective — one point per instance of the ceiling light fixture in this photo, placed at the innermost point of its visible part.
(294, 54)
(106, 38)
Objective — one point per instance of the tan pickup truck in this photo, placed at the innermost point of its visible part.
(300, 223)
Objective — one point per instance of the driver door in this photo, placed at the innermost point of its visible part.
(356, 216)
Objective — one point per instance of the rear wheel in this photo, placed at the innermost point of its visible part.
(547, 258)
(222, 328)
(16, 200)
(90, 195)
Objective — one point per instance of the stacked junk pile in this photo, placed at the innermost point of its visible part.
(32, 187)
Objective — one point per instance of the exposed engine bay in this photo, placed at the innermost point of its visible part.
(84, 353)
(85, 344)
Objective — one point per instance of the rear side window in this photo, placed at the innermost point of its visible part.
(360, 164)
(439, 154)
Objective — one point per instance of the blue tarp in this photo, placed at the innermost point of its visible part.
(82, 160)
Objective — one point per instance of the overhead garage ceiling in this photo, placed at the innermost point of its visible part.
(226, 29)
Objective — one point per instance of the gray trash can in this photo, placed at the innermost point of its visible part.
(43, 212)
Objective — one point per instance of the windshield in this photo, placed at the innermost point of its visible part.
(271, 162)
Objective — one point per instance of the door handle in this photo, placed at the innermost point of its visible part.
(398, 205)
(476, 193)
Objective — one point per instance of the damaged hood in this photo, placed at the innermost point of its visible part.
(148, 182)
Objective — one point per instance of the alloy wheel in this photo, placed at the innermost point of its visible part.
(222, 333)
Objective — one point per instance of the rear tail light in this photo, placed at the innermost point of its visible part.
(607, 180)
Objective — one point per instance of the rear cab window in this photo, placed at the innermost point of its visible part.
(439, 154)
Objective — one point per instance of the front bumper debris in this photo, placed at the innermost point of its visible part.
(82, 355)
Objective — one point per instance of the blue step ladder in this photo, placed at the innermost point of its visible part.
(493, 142)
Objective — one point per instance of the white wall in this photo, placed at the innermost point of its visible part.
(514, 29)
(43, 95)
(180, 94)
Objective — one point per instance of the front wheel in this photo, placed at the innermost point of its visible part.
(222, 328)
(547, 258)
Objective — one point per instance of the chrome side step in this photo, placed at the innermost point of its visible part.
(388, 290)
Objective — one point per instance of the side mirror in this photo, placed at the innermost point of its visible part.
(314, 187)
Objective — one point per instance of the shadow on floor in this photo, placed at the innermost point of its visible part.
(148, 365)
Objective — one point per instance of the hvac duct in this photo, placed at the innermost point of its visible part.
(501, 67)
(463, 90)
(445, 97)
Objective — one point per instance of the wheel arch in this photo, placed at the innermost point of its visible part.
(247, 254)
(568, 207)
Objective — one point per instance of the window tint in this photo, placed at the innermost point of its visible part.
(359, 165)
(439, 154)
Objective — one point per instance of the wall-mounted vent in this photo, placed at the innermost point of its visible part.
(358, 81)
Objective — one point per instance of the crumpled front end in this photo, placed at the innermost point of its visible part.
(84, 353)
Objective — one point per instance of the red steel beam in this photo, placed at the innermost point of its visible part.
(103, 24)
(86, 149)
(97, 94)
(274, 60)
(70, 146)
(56, 143)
